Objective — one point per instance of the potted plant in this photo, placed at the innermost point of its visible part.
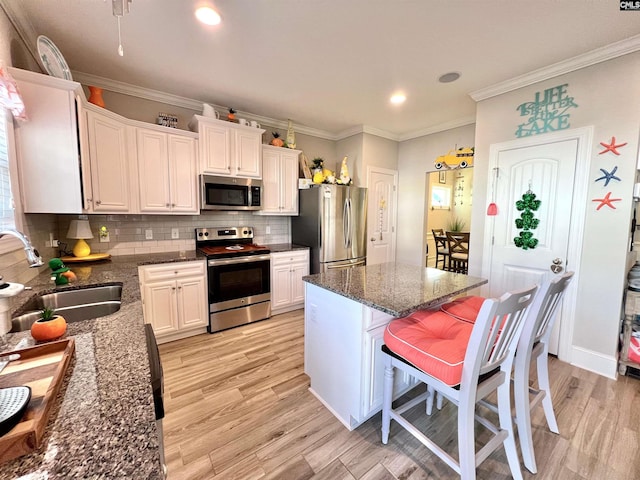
(49, 326)
(456, 224)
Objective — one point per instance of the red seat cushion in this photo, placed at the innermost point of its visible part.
(432, 341)
(464, 308)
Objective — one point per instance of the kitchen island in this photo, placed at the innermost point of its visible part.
(102, 424)
(346, 312)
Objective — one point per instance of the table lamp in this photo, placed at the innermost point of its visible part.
(80, 229)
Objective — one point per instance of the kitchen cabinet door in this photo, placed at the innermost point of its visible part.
(153, 167)
(183, 174)
(47, 145)
(159, 307)
(247, 153)
(113, 174)
(192, 303)
(167, 172)
(287, 287)
(279, 181)
(215, 148)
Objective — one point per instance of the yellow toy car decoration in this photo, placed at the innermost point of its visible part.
(461, 158)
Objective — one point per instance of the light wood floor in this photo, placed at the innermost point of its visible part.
(237, 407)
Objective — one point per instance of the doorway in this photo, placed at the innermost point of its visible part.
(448, 205)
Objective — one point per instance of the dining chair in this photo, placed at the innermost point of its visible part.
(442, 252)
(458, 245)
(465, 363)
(533, 344)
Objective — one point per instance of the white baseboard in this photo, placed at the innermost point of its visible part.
(595, 362)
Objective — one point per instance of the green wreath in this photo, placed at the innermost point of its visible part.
(527, 222)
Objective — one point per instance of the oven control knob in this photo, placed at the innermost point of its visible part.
(206, 234)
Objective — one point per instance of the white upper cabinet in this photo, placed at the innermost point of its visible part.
(47, 144)
(111, 145)
(227, 148)
(167, 171)
(279, 181)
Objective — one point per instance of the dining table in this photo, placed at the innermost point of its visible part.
(346, 313)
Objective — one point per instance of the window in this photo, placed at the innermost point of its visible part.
(440, 197)
(6, 199)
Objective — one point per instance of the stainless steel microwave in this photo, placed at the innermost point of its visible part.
(230, 193)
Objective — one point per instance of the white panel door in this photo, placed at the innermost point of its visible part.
(192, 303)
(248, 154)
(547, 170)
(160, 306)
(381, 215)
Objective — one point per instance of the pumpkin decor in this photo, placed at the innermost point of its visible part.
(49, 326)
(277, 141)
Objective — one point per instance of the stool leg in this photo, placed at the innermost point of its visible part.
(523, 414)
(432, 393)
(542, 363)
(387, 398)
(506, 423)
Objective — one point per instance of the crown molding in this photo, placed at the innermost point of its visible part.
(460, 122)
(608, 52)
(188, 103)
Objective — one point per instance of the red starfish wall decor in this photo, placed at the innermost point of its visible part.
(611, 147)
(607, 200)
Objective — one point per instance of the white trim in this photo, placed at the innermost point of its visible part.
(460, 122)
(584, 136)
(596, 362)
(602, 54)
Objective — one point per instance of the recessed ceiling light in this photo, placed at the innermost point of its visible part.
(208, 16)
(398, 98)
(449, 77)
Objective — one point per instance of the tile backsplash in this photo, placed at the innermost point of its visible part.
(127, 235)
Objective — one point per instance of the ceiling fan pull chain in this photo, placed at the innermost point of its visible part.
(120, 49)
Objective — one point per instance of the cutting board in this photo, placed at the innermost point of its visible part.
(42, 368)
(94, 257)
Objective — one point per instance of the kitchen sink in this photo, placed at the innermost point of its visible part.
(73, 305)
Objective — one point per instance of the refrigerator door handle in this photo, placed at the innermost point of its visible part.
(350, 223)
(345, 223)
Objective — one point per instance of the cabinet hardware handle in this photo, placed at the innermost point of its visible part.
(175, 272)
(173, 204)
(167, 205)
(98, 202)
(173, 288)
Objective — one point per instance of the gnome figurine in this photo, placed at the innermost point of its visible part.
(345, 179)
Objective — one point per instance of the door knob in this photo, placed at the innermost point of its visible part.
(556, 265)
(373, 239)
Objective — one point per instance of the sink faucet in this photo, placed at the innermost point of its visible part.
(33, 257)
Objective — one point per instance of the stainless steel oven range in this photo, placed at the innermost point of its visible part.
(238, 276)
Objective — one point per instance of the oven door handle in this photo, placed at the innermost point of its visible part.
(236, 260)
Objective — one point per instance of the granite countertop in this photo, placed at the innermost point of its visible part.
(285, 247)
(395, 288)
(102, 424)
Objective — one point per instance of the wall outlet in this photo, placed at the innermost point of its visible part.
(104, 237)
(175, 233)
(268, 229)
(148, 234)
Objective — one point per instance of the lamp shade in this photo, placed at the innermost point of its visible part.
(79, 229)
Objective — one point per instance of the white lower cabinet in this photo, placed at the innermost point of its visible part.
(343, 356)
(287, 287)
(174, 299)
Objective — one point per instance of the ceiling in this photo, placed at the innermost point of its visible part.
(330, 65)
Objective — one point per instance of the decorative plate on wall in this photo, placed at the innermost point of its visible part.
(52, 60)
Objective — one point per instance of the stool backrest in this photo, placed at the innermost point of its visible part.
(543, 311)
(496, 333)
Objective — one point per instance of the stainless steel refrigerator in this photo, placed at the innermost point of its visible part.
(333, 223)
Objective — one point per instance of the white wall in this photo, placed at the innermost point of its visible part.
(415, 158)
(353, 148)
(608, 99)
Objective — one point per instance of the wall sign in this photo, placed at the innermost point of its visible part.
(547, 113)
